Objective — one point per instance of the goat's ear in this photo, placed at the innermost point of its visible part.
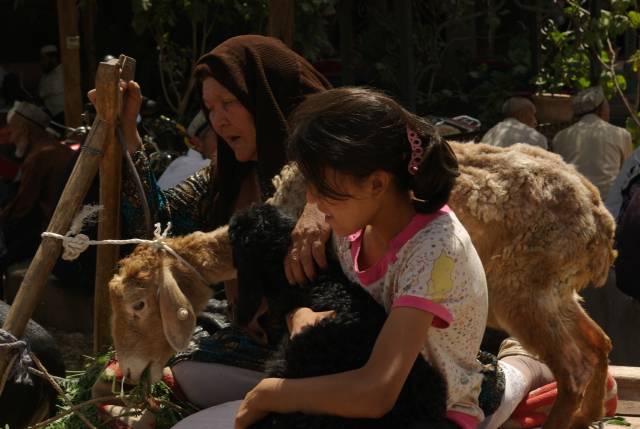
(176, 312)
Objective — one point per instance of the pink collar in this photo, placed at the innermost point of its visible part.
(379, 269)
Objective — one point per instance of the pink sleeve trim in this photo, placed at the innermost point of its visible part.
(465, 421)
(442, 318)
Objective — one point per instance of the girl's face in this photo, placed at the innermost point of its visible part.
(347, 216)
(230, 119)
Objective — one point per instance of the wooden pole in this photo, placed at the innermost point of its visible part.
(281, 20)
(595, 69)
(70, 58)
(88, 39)
(30, 292)
(346, 42)
(109, 224)
(405, 29)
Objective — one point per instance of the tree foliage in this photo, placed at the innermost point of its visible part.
(208, 23)
(576, 45)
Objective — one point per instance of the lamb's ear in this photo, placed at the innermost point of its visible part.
(176, 312)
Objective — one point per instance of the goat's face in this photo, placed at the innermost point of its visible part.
(151, 317)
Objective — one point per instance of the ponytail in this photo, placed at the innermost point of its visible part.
(436, 176)
(433, 178)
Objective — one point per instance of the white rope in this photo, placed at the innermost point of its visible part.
(74, 244)
(20, 368)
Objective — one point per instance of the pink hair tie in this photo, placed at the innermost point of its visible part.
(416, 151)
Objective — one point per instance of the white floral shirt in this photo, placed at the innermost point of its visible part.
(433, 266)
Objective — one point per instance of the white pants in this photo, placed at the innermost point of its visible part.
(208, 384)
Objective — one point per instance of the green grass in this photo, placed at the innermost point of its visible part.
(78, 384)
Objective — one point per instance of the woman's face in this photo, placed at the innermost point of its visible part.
(230, 119)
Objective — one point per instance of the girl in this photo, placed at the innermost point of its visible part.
(382, 178)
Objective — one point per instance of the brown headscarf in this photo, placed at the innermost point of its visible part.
(270, 80)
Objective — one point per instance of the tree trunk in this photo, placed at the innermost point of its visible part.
(405, 30)
(70, 59)
(346, 41)
(281, 20)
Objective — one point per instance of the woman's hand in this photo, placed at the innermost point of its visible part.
(308, 245)
(250, 410)
(131, 103)
(302, 317)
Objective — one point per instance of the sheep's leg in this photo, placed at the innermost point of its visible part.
(592, 405)
(550, 328)
(555, 346)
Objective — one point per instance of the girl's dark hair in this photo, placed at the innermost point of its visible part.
(357, 131)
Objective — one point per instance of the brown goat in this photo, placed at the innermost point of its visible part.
(540, 229)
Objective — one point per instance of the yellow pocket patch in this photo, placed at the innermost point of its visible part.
(441, 277)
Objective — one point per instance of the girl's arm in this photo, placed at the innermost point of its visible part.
(367, 392)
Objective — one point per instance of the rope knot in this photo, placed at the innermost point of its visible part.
(23, 360)
(159, 236)
(74, 245)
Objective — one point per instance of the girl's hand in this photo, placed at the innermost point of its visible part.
(308, 245)
(250, 411)
(302, 317)
(247, 415)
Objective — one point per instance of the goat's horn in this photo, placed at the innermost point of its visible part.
(183, 313)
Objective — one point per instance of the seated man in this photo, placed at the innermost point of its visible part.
(51, 86)
(41, 178)
(202, 151)
(518, 126)
(595, 147)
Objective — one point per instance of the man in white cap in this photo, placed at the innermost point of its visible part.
(42, 176)
(202, 151)
(596, 148)
(51, 88)
(518, 126)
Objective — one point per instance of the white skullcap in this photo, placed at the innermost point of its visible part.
(31, 112)
(587, 100)
(198, 123)
(49, 49)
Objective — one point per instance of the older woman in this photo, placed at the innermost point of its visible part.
(249, 86)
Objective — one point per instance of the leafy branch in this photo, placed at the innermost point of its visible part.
(610, 67)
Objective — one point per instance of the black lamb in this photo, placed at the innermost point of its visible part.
(25, 404)
(260, 238)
